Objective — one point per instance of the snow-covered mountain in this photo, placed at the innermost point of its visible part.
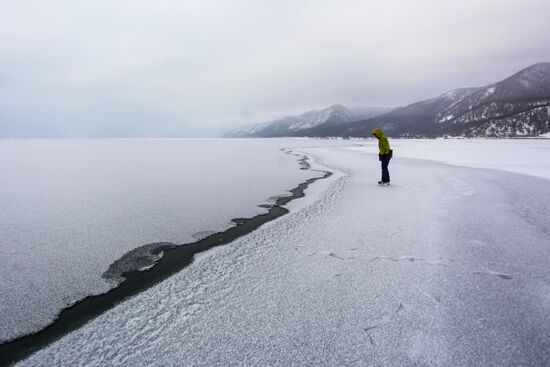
(247, 130)
(300, 125)
(335, 114)
(516, 106)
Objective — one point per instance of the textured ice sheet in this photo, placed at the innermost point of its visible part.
(70, 208)
(446, 267)
(527, 156)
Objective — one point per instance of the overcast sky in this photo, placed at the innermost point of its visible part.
(194, 68)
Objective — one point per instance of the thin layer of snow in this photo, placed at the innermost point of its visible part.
(530, 157)
(447, 267)
(447, 118)
(70, 208)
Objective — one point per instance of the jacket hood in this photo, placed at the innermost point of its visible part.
(377, 132)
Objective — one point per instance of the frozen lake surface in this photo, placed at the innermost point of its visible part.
(448, 266)
(70, 208)
(527, 156)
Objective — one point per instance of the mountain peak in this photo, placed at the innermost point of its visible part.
(335, 113)
(295, 125)
(336, 107)
(535, 74)
(538, 67)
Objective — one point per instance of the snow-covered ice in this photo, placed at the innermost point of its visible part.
(527, 156)
(446, 267)
(70, 208)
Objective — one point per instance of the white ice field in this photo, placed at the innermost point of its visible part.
(527, 156)
(448, 266)
(70, 208)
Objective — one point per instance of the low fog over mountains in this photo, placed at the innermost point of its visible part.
(307, 124)
(516, 106)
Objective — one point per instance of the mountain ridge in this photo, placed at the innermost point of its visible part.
(517, 106)
(301, 125)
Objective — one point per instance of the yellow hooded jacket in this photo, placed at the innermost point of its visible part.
(383, 143)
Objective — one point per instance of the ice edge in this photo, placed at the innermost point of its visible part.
(129, 281)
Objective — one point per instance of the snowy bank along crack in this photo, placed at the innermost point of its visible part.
(144, 267)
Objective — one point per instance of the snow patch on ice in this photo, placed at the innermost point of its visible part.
(141, 258)
(457, 187)
(203, 234)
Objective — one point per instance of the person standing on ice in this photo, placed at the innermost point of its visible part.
(384, 155)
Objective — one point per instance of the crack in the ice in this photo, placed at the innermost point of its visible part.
(490, 272)
(429, 295)
(439, 262)
(543, 277)
(132, 281)
(385, 320)
(327, 253)
(399, 231)
(372, 343)
(368, 328)
(336, 256)
(373, 349)
(396, 259)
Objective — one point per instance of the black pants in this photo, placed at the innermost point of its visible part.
(385, 159)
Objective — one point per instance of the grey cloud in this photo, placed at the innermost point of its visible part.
(191, 68)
